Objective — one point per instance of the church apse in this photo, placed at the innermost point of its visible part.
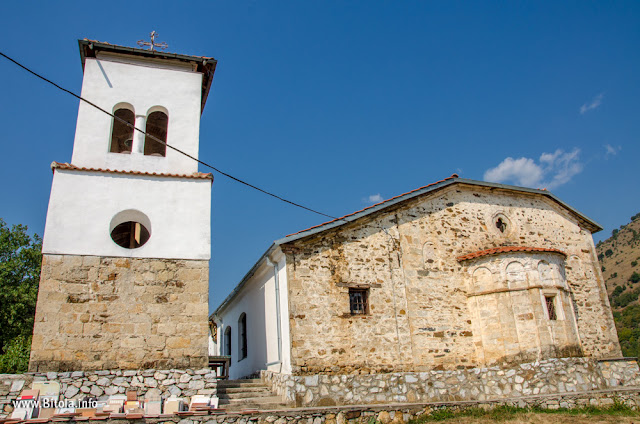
(520, 307)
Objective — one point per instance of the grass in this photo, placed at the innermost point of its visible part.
(508, 413)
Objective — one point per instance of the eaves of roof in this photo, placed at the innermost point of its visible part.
(507, 249)
(243, 282)
(70, 167)
(205, 65)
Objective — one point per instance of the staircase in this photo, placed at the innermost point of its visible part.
(240, 395)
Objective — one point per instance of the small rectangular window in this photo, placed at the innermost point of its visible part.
(551, 307)
(359, 301)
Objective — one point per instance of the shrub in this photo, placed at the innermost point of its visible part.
(617, 291)
(16, 357)
(608, 253)
(625, 298)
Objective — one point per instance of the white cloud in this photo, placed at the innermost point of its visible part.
(550, 171)
(374, 198)
(594, 104)
(523, 171)
(611, 150)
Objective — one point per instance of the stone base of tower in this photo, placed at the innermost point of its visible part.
(106, 312)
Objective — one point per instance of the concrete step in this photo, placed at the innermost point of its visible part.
(275, 404)
(257, 400)
(241, 380)
(240, 383)
(230, 390)
(245, 395)
(238, 395)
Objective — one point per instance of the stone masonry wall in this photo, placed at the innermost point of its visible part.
(419, 316)
(397, 413)
(98, 313)
(551, 376)
(552, 383)
(78, 384)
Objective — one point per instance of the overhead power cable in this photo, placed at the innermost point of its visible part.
(165, 143)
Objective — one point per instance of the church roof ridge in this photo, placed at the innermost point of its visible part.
(70, 167)
(506, 249)
(453, 179)
(372, 206)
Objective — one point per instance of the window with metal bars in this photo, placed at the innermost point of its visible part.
(359, 301)
(551, 307)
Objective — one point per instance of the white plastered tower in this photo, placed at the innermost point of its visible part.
(126, 245)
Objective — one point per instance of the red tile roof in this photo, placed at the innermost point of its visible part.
(70, 167)
(504, 249)
(373, 206)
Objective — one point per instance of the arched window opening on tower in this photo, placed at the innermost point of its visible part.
(130, 235)
(227, 341)
(121, 133)
(242, 336)
(157, 123)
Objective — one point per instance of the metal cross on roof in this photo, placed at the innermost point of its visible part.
(153, 43)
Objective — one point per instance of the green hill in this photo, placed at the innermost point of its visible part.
(619, 257)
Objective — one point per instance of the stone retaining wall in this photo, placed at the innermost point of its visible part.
(542, 377)
(79, 384)
(399, 413)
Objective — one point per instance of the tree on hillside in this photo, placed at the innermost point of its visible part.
(20, 259)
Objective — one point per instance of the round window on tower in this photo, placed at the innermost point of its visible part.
(130, 229)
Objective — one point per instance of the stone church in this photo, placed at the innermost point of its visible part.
(407, 300)
(454, 275)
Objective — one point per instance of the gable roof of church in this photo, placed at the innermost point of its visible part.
(585, 221)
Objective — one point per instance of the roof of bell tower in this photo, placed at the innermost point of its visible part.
(202, 64)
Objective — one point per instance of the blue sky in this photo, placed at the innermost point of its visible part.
(337, 104)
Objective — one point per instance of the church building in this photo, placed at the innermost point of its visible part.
(455, 275)
(458, 290)
(126, 248)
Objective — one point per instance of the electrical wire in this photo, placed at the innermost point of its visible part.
(165, 143)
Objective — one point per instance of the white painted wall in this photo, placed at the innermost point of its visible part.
(110, 79)
(213, 347)
(257, 300)
(82, 205)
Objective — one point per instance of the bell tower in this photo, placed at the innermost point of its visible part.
(126, 247)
